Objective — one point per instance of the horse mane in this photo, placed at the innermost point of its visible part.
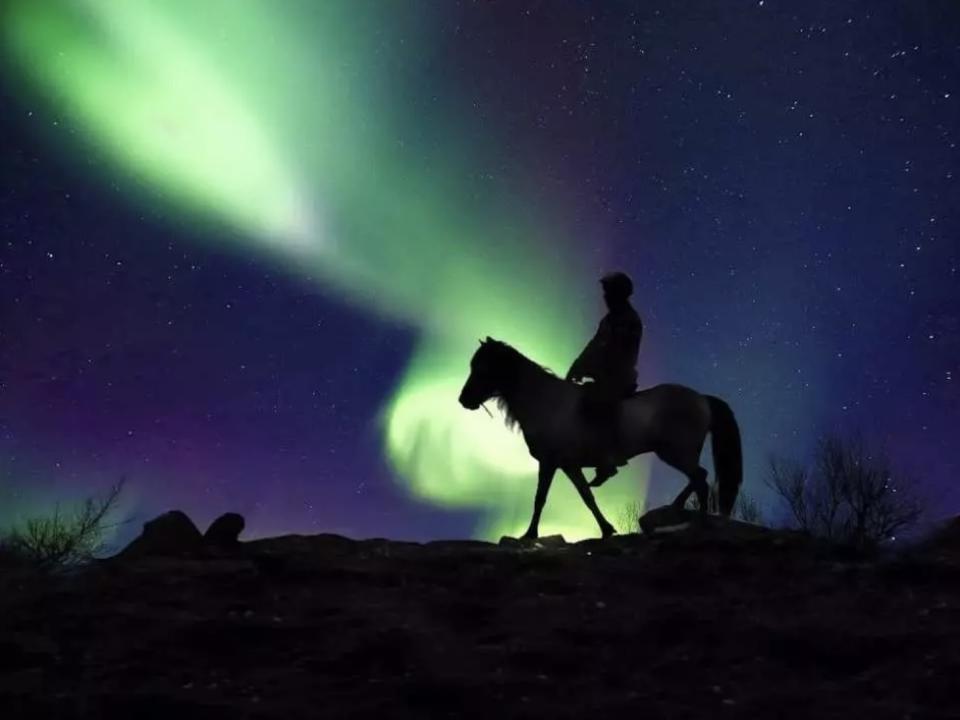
(509, 418)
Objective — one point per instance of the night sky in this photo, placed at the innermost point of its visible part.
(779, 178)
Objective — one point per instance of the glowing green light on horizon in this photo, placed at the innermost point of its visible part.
(269, 123)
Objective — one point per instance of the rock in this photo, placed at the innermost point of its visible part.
(21, 682)
(671, 519)
(225, 530)
(667, 516)
(947, 535)
(942, 540)
(550, 541)
(458, 546)
(172, 533)
(764, 625)
(27, 649)
(11, 557)
(607, 546)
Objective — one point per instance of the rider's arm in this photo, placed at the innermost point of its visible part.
(586, 363)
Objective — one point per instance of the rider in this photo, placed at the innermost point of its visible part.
(610, 359)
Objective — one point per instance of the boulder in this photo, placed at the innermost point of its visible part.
(225, 530)
(668, 516)
(942, 539)
(947, 535)
(172, 533)
(671, 519)
(549, 541)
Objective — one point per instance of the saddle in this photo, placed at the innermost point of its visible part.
(600, 400)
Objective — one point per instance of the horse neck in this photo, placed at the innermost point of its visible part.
(526, 397)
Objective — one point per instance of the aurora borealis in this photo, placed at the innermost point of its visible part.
(351, 213)
(318, 210)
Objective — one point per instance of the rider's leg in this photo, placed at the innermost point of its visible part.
(608, 423)
(611, 397)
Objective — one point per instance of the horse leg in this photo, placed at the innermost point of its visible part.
(696, 477)
(544, 479)
(604, 473)
(580, 483)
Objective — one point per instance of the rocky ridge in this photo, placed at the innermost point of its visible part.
(716, 619)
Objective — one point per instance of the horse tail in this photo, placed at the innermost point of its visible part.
(727, 453)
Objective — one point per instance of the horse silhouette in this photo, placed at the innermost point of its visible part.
(669, 420)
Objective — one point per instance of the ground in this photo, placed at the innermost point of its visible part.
(699, 623)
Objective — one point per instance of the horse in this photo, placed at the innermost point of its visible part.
(669, 420)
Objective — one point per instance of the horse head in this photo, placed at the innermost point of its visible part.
(489, 367)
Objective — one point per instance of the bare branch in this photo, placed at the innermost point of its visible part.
(62, 539)
(852, 496)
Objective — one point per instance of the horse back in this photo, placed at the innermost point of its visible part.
(664, 404)
(664, 391)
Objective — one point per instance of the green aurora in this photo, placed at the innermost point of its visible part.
(287, 135)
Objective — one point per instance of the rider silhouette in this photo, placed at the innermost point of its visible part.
(610, 359)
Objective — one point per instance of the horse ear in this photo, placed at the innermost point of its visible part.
(489, 339)
(481, 342)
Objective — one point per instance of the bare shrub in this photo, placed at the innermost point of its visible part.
(63, 539)
(628, 517)
(850, 495)
(748, 509)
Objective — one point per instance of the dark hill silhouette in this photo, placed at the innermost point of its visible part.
(718, 620)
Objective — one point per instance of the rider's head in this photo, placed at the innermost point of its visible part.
(617, 287)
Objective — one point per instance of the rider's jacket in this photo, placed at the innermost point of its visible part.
(610, 357)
